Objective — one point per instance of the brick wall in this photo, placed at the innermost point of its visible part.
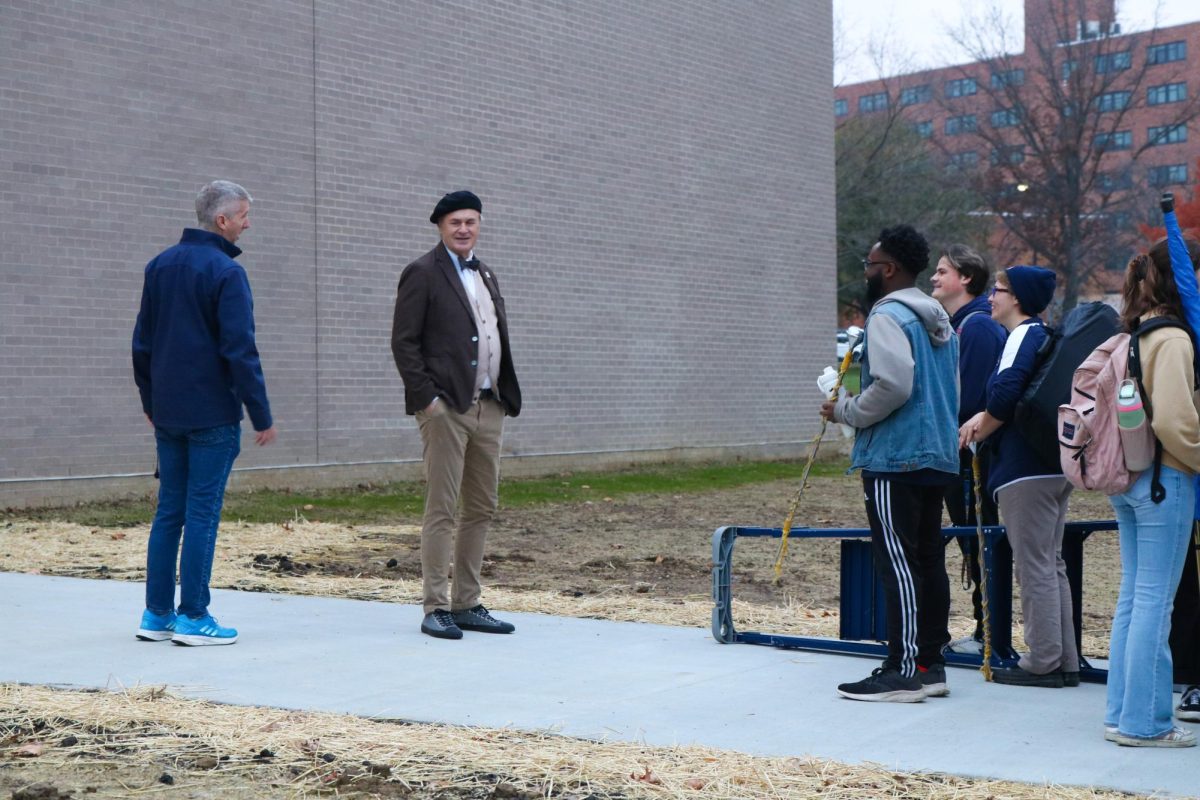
(657, 182)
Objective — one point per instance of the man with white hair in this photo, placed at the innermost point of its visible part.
(196, 364)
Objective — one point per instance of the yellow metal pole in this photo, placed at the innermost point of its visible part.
(986, 666)
(812, 455)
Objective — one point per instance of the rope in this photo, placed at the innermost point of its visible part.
(986, 666)
(813, 446)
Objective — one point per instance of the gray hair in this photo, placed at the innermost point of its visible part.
(215, 198)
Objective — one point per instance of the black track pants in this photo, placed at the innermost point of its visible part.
(910, 559)
(960, 505)
(1185, 623)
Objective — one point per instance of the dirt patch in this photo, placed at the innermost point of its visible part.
(644, 558)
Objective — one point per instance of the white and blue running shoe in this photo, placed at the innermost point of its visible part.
(200, 632)
(156, 627)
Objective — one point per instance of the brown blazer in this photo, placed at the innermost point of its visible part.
(435, 341)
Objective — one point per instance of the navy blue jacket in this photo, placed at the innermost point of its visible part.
(980, 342)
(1012, 458)
(194, 357)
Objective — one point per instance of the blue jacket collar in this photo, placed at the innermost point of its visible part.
(199, 236)
(980, 303)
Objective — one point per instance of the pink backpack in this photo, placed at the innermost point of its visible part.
(1094, 451)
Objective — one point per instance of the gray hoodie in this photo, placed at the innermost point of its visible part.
(891, 359)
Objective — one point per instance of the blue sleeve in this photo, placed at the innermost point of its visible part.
(141, 348)
(1185, 280)
(1005, 388)
(978, 352)
(235, 318)
(1183, 270)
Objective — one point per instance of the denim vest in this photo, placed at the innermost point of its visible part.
(922, 433)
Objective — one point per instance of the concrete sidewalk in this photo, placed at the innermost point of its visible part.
(587, 678)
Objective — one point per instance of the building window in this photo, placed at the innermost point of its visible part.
(924, 129)
(915, 95)
(873, 102)
(964, 160)
(1113, 101)
(965, 123)
(1069, 67)
(1114, 62)
(1008, 155)
(1166, 53)
(961, 87)
(1005, 118)
(840, 108)
(1166, 93)
(1012, 77)
(1167, 134)
(1109, 182)
(1117, 140)
(1167, 175)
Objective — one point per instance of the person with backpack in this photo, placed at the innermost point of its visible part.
(1032, 495)
(959, 281)
(1154, 526)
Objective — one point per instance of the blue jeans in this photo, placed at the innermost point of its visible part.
(1154, 540)
(193, 467)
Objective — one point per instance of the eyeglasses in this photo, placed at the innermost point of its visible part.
(868, 263)
(999, 290)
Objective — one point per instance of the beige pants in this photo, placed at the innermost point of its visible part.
(462, 456)
(1035, 512)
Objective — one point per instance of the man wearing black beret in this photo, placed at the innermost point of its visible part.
(450, 342)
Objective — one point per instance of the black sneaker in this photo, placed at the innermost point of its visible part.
(884, 685)
(440, 624)
(1019, 677)
(933, 681)
(478, 619)
(1071, 678)
(1189, 705)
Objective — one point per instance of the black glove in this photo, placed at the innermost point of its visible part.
(1167, 202)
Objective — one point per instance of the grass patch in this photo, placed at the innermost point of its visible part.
(403, 501)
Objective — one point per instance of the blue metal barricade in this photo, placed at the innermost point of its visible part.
(862, 623)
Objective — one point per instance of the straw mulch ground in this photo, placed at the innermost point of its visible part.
(144, 742)
(644, 558)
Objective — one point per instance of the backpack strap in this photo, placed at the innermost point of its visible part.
(1157, 492)
(962, 324)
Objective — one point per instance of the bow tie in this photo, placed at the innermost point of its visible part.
(470, 263)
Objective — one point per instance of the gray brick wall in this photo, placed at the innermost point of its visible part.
(657, 180)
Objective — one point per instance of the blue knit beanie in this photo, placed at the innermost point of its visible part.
(1032, 286)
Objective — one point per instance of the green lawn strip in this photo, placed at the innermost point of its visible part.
(402, 502)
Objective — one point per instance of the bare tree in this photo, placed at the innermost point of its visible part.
(886, 175)
(1062, 172)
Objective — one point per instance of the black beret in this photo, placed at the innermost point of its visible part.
(455, 201)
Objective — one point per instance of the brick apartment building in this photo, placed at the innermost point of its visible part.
(1146, 137)
(625, 153)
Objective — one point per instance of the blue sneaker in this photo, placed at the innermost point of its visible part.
(200, 632)
(156, 627)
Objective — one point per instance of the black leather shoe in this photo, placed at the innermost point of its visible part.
(1070, 678)
(478, 619)
(440, 624)
(1019, 677)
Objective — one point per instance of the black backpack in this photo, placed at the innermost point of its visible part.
(1085, 328)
